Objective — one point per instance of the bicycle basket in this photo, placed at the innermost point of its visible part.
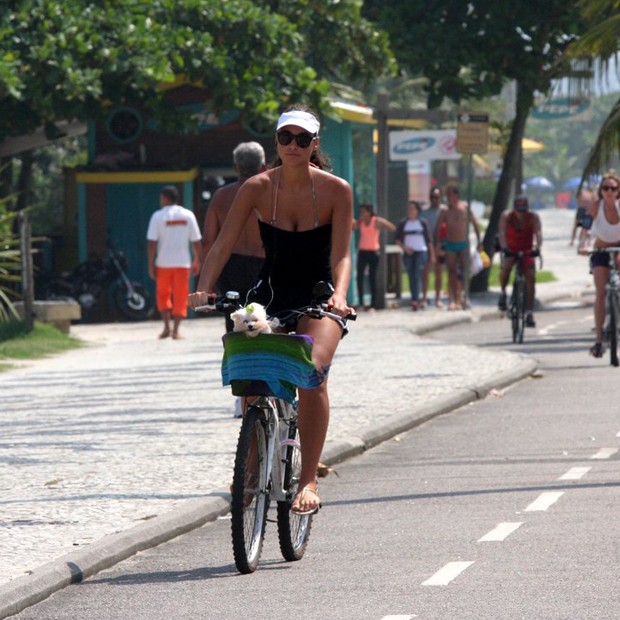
(269, 365)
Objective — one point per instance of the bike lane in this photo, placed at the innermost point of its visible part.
(130, 441)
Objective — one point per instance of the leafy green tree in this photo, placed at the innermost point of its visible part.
(566, 142)
(76, 59)
(66, 59)
(469, 50)
(602, 42)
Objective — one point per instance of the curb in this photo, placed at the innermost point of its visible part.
(23, 592)
(17, 595)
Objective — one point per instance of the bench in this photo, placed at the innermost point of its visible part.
(58, 313)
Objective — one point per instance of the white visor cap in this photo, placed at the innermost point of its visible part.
(305, 120)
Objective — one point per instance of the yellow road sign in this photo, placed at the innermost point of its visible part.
(472, 132)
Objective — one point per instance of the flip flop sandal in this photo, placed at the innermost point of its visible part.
(312, 510)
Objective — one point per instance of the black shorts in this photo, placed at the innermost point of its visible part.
(599, 259)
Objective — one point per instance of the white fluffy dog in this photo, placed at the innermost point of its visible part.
(252, 320)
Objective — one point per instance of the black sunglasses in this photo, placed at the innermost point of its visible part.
(303, 140)
(608, 188)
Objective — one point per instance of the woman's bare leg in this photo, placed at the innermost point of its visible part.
(601, 275)
(314, 409)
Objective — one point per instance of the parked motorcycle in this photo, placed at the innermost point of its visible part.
(90, 282)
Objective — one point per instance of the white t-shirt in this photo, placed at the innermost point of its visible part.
(414, 236)
(602, 229)
(173, 227)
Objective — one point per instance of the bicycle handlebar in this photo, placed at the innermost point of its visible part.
(319, 311)
(227, 302)
(609, 250)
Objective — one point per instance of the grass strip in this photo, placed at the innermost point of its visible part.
(17, 343)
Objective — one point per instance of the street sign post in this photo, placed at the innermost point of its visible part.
(472, 136)
(472, 132)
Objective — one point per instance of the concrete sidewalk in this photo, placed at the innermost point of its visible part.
(130, 441)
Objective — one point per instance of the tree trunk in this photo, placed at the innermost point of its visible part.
(509, 183)
(23, 182)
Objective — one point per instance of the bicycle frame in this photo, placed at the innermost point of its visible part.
(268, 455)
(518, 299)
(612, 305)
(278, 414)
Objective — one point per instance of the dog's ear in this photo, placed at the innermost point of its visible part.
(238, 320)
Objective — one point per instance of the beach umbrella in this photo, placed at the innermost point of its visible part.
(541, 183)
(573, 183)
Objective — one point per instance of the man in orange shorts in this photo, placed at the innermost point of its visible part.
(171, 231)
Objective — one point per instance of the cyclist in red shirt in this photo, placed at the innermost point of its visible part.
(520, 230)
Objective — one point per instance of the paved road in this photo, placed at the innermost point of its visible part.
(130, 428)
(503, 509)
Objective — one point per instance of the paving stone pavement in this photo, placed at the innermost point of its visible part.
(108, 436)
(101, 438)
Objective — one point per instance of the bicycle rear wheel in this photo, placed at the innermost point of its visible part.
(613, 328)
(517, 311)
(293, 530)
(250, 493)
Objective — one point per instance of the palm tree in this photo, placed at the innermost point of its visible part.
(601, 42)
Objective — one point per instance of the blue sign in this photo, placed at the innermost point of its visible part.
(414, 145)
(423, 145)
(560, 107)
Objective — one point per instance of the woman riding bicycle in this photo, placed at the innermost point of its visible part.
(604, 232)
(304, 215)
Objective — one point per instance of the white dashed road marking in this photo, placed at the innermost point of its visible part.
(575, 473)
(544, 500)
(501, 532)
(446, 574)
(604, 453)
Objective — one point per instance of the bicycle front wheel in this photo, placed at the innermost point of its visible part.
(613, 328)
(293, 530)
(518, 311)
(250, 492)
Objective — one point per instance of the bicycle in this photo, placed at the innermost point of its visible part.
(516, 308)
(612, 305)
(268, 457)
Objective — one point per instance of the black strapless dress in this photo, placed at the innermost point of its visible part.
(294, 263)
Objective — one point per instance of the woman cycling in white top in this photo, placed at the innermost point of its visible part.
(605, 232)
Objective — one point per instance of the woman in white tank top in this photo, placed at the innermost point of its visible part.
(604, 232)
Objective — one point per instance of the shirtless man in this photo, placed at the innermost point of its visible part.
(456, 243)
(241, 272)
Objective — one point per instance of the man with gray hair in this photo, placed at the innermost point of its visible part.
(241, 271)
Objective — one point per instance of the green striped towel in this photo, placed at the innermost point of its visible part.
(269, 364)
